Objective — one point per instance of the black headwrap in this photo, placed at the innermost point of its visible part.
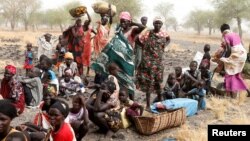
(62, 106)
(8, 109)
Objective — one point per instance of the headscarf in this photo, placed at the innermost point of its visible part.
(49, 89)
(62, 107)
(11, 69)
(68, 55)
(8, 109)
(125, 15)
(158, 18)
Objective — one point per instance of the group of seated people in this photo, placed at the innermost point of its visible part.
(192, 83)
(41, 89)
(108, 107)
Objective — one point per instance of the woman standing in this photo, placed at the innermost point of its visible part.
(130, 29)
(120, 51)
(150, 71)
(45, 46)
(76, 41)
(12, 89)
(102, 36)
(233, 64)
(86, 56)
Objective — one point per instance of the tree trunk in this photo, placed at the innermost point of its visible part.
(210, 30)
(199, 29)
(239, 26)
(6, 23)
(175, 28)
(12, 24)
(61, 27)
(33, 28)
(26, 24)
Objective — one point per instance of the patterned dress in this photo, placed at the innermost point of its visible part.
(13, 90)
(86, 56)
(101, 39)
(234, 63)
(28, 64)
(76, 45)
(150, 71)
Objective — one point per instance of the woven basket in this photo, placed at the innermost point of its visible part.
(77, 12)
(155, 123)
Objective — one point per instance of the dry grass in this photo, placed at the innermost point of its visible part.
(241, 119)
(203, 38)
(213, 39)
(24, 37)
(186, 133)
(218, 106)
(175, 47)
(242, 98)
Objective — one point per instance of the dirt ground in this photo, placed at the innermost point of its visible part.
(179, 53)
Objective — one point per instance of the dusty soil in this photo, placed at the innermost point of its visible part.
(180, 52)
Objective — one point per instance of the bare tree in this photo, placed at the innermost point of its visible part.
(210, 20)
(233, 9)
(171, 21)
(28, 11)
(196, 20)
(164, 9)
(11, 11)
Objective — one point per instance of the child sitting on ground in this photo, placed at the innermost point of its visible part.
(33, 88)
(48, 76)
(199, 94)
(68, 63)
(178, 75)
(172, 87)
(191, 77)
(206, 75)
(103, 110)
(68, 86)
(78, 117)
(132, 108)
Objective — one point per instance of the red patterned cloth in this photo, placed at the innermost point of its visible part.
(76, 46)
(86, 56)
(13, 90)
(11, 69)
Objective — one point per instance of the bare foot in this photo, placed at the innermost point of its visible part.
(248, 93)
(148, 109)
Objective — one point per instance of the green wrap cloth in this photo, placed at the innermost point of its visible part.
(120, 52)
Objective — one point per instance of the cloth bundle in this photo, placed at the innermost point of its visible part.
(103, 8)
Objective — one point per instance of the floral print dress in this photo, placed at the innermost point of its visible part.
(150, 71)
